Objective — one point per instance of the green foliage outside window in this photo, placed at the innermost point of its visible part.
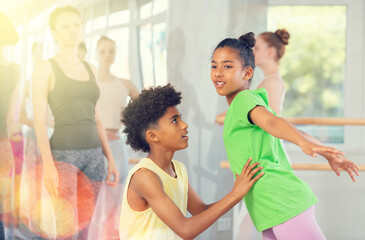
(313, 66)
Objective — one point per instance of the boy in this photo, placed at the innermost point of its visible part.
(157, 192)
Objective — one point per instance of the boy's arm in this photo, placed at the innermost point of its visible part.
(169, 213)
(195, 203)
(280, 128)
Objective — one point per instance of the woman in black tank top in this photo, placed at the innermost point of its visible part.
(79, 140)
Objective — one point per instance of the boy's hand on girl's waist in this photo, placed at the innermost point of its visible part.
(246, 179)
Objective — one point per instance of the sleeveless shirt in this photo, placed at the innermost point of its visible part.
(113, 97)
(73, 106)
(146, 224)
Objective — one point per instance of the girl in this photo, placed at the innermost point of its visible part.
(268, 50)
(280, 205)
(113, 98)
(114, 92)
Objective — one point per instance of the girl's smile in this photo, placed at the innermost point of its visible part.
(219, 84)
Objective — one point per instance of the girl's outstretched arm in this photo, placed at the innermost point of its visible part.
(336, 161)
(280, 128)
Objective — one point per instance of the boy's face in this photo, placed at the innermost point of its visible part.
(172, 130)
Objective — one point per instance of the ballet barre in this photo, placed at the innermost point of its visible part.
(134, 160)
(303, 166)
(295, 166)
(326, 121)
(314, 121)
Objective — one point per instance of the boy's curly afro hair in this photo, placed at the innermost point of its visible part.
(145, 111)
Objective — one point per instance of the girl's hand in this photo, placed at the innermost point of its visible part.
(51, 178)
(336, 161)
(112, 170)
(312, 149)
(220, 118)
(245, 180)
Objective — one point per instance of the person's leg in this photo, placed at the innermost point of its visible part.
(93, 166)
(247, 230)
(76, 180)
(301, 227)
(2, 235)
(92, 163)
(268, 234)
(116, 146)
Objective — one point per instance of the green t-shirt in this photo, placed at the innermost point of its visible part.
(279, 195)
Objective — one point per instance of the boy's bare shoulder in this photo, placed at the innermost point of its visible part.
(145, 179)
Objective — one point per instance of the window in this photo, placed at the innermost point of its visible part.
(152, 42)
(333, 65)
(138, 27)
(314, 64)
(145, 50)
(121, 64)
(159, 53)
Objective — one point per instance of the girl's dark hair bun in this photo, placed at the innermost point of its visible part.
(249, 39)
(283, 35)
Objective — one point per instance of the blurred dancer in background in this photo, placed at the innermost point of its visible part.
(79, 141)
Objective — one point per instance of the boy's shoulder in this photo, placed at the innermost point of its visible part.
(139, 179)
(144, 167)
(146, 171)
(148, 167)
(143, 175)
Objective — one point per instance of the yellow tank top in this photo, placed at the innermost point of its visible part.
(146, 224)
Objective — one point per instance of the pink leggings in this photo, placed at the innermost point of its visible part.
(301, 227)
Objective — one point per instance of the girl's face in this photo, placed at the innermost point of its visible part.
(68, 29)
(106, 53)
(261, 51)
(227, 74)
